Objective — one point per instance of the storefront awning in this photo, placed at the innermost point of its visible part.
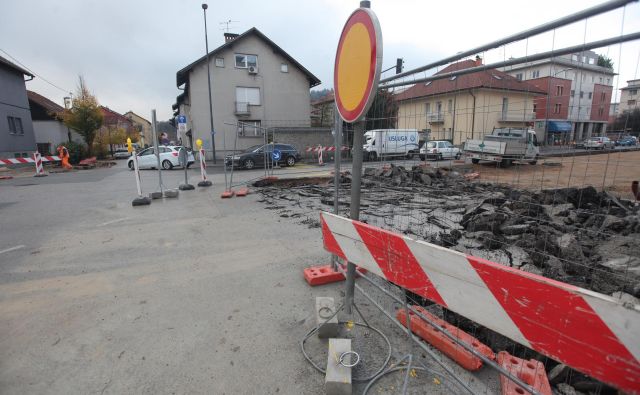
(559, 126)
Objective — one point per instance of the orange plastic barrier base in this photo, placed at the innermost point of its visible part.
(242, 192)
(531, 372)
(320, 275)
(227, 194)
(436, 338)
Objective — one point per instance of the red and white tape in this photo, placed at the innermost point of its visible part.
(328, 149)
(15, 161)
(590, 332)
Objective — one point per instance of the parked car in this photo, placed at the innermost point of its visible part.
(628, 141)
(259, 155)
(121, 153)
(439, 150)
(169, 158)
(599, 142)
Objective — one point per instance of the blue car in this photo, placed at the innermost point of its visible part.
(629, 141)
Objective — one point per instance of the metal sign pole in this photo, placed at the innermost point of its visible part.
(183, 158)
(337, 142)
(154, 131)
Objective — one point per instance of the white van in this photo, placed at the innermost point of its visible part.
(390, 142)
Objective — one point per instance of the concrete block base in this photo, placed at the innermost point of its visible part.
(206, 183)
(40, 175)
(171, 193)
(337, 380)
(155, 195)
(325, 308)
(186, 187)
(141, 201)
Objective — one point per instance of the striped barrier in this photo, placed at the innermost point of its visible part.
(16, 161)
(590, 332)
(327, 149)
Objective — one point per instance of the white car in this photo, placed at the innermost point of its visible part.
(439, 150)
(598, 143)
(168, 158)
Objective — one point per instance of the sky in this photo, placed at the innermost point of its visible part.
(129, 51)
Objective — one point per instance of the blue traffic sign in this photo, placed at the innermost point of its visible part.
(276, 155)
(182, 119)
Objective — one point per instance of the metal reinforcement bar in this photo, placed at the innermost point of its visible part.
(462, 344)
(567, 20)
(525, 59)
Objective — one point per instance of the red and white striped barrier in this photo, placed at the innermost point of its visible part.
(16, 161)
(39, 168)
(588, 331)
(328, 149)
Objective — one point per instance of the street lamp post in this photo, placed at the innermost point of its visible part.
(206, 43)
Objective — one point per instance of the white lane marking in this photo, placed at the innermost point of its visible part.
(12, 249)
(114, 221)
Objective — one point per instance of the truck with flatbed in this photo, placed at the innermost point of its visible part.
(505, 146)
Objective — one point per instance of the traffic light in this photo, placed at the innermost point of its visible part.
(399, 63)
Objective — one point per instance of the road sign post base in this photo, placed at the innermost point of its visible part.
(141, 201)
(206, 183)
(227, 194)
(41, 175)
(155, 195)
(171, 193)
(186, 187)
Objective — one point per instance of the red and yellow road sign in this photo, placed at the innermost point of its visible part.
(356, 71)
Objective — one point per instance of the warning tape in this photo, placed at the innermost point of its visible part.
(328, 149)
(590, 332)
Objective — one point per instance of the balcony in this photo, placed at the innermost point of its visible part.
(435, 117)
(242, 109)
(517, 116)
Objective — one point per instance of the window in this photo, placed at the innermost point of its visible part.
(557, 108)
(535, 107)
(592, 60)
(583, 77)
(219, 62)
(600, 79)
(584, 59)
(559, 90)
(519, 76)
(449, 106)
(505, 106)
(428, 108)
(15, 125)
(603, 96)
(243, 61)
(249, 129)
(633, 92)
(439, 107)
(631, 102)
(573, 93)
(574, 58)
(44, 148)
(590, 95)
(593, 78)
(251, 96)
(535, 74)
(608, 81)
(284, 68)
(601, 111)
(581, 94)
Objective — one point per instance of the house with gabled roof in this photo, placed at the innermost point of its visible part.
(467, 106)
(16, 127)
(255, 85)
(48, 128)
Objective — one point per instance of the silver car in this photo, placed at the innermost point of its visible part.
(598, 143)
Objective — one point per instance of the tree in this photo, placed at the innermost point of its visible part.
(383, 112)
(628, 121)
(605, 61)
(85, 116)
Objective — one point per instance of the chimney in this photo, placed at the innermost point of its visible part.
(478, 60)
(228, 37)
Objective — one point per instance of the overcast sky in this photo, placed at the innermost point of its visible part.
(129, 51)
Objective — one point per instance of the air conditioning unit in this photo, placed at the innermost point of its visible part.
(253, 70)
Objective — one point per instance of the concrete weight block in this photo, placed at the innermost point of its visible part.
(337, 380)
(325, 308)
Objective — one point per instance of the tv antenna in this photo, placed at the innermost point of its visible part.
(226, 25)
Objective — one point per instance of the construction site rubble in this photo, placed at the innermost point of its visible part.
(579, 236)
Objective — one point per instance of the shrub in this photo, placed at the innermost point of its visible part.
(77, 151)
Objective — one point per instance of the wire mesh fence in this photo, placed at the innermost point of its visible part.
(512, 165)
